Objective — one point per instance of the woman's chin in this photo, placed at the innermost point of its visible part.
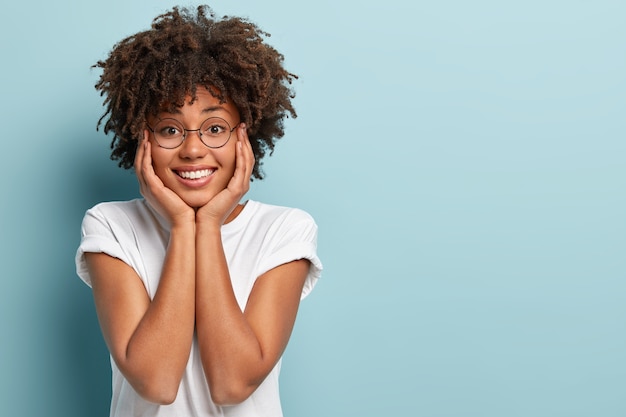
(198, 198)
(196, 204)
(197, 201)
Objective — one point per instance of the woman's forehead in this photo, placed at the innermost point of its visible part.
(180, 99)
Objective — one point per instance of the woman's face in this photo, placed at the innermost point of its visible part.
(193, 170)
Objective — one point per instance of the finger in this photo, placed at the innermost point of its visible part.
(139, 154)
(139, 157)
(146, 161)
(248, 153)
(239, 172)
(147, 169)
(245, 156)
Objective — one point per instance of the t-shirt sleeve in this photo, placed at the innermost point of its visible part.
(295, 238)
(97, 235)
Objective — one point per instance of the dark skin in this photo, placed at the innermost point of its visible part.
(238, 348)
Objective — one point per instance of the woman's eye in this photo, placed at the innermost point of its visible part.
(169, 131)
(215, 129)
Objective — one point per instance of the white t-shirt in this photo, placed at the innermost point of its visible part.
(260, 238)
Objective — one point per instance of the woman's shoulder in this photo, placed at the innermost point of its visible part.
(272, 212)
(120, 210)
(259, 218)
(137, 204)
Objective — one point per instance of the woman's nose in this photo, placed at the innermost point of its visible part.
(192, 146)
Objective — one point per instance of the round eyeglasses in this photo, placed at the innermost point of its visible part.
(169, 133)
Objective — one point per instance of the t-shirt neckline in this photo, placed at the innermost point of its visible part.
(235, 224)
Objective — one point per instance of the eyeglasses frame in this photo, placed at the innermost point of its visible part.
(192, 130)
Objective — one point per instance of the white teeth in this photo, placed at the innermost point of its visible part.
(194, 175)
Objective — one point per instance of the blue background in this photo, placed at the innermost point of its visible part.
(464, 162)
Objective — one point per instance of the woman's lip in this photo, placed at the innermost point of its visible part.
(190, 168)
(194, 174)
(205, 176)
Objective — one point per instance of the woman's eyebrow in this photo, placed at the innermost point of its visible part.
(211, 109)
(174, 110)
(214, 109)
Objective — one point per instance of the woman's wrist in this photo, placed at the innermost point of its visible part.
(208, 225)
(183, 224)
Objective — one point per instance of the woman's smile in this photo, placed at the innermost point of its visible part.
(195, 175)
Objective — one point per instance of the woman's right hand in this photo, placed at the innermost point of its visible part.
(165, 201)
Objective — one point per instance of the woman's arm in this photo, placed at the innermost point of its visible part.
(239, 349)
(150, 341)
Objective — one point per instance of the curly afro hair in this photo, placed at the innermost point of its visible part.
(186, 49)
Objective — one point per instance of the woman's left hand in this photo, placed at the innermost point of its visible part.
(221, 206)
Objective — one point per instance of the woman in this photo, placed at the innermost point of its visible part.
(196, 292)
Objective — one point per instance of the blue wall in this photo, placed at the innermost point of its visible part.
(465, 164)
